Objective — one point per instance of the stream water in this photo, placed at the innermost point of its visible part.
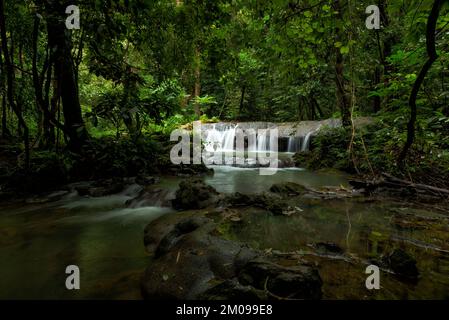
(105, 239)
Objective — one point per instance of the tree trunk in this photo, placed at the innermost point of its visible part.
(242, 101)
(377, 103)
(384, 48)
(432, 57)
(10, 84)
(60, 46)
(197, 92)
(316, 106)
(5, 131)
(46, 129)
(343, 98)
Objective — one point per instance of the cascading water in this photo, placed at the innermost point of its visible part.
(229, 139)
(305, 146)
(214, 140)
(262, 141)
(296, 144)
(221, 137)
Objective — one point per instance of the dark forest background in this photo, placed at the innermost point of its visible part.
(101, 100)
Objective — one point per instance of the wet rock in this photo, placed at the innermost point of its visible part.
(190, 170)
(288, 189)
(402, 264)
(100, 188)
(195, 194)
(233, 290)
(151, 197)
(273, 205)
(54, 196)
(329, 247)
(179, 230)
(188, 260)
(265, 201)
(191, 261)
(299, 282)
(146, 180)
(286, 163)
(238, 199)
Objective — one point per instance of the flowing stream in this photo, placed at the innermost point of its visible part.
(104, 236)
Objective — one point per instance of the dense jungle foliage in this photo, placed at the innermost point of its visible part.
(105, 95)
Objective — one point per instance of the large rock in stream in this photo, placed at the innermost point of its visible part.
(191, 260)
(195, 194)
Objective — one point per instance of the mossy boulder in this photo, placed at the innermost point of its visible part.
(288, 189)
(267, 201)
(190, 260)
(195, 194)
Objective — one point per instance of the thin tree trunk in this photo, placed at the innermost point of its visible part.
(432, 57)
(377, 102)
(60, 46)
(197, 92)
(45, 126)
(242, 101)
(343, 98)
(384, 48)
(316, 106)
(5, 131)
(10, 84)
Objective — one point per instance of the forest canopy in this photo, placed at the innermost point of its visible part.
(135, 68)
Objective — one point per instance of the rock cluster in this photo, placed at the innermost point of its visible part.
(191, 261)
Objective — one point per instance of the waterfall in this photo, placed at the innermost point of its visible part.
(221, 137)
(229, 139)
(214, 140)
(305, 146)
(262, 141)
(296, 144)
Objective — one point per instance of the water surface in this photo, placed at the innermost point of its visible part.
(104, 237)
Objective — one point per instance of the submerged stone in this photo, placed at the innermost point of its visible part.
(191, 261)
(402, 264)
(299, 282)
(288, 188)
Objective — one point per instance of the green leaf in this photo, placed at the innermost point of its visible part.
(344, 50)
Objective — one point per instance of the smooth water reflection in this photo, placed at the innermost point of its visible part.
(104, 237)
(247, 181)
